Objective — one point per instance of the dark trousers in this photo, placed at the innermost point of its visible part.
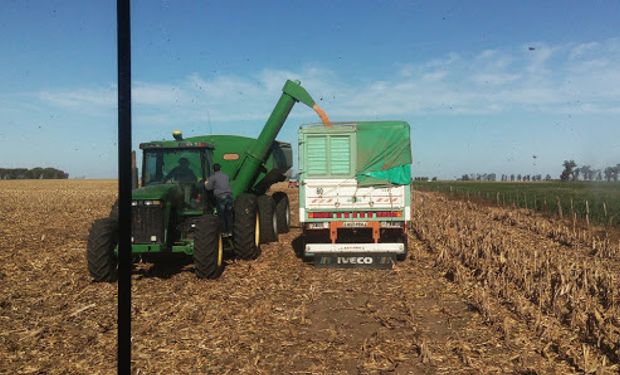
(224, 204)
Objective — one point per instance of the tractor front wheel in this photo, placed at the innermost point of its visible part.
(283, 215)
(267, 217)
(246, 228)
(208, 249)
(103, 237)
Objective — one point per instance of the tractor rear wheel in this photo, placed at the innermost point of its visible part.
(268, 221)
(246, 228)
(208, 249)
(102, 239)
(283, 213)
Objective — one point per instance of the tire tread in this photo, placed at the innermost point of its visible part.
(102, 238)
(244, 227)
(206, 241)
(282, 206)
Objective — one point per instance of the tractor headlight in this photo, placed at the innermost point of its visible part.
(146, 203)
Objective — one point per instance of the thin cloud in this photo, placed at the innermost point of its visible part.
(71, 99)
(582, 78)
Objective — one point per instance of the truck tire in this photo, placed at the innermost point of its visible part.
(103, 237)
(208, 249)
(246, 234)
(283, 213)
(402, 257)
(268, 221)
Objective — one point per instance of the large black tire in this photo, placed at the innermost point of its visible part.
(402, 257)
(114, 211)
(246, 238)
(103, 237)
(267, 217)
(283, 213)
(208, 251)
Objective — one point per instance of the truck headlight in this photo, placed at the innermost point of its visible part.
(152, 203)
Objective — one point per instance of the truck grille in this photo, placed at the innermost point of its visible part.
(147, 221)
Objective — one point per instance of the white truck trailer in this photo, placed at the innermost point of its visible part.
(355, 197)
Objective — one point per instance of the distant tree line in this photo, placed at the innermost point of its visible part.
(34, 173)
(525, 177)
(504, 178)
(479, 177)
(572, 172)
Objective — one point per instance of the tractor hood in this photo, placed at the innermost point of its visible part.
(155, 192)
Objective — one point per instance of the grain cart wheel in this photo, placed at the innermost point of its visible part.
(283, 213)
(208, 249)
(268, 221)
(246, 233)
(102, 239)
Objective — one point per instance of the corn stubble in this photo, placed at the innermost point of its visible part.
(485, 290)
(562, 283)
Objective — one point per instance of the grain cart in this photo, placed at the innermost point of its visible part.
(177, 215)
(354, 198)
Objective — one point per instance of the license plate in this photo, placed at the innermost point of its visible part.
(359, 260)
(354, 224)
(317, 225)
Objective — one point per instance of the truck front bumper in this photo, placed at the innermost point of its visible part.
(349, 248)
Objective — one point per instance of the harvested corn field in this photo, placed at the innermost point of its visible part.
(484, 290)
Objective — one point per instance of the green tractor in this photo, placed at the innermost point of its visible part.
(178, 215)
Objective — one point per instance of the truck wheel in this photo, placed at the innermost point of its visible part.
(283, 213)
(246, 228)
(208, 249)
(402, 257)
(102, 239)
(268, 221)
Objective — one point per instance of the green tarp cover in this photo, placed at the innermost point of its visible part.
(383, 153)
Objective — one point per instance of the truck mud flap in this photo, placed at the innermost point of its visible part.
(355, 260)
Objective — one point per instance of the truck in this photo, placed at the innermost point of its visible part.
(354, 195)
(171, 215)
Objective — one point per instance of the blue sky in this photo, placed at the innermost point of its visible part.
(484, 85)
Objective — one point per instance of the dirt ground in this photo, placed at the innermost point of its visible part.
(445, 310)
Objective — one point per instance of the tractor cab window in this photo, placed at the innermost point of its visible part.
(173, 166)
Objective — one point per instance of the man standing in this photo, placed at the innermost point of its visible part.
(220, 185)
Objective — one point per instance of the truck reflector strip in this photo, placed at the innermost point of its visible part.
(354, 215)
(320, 215)
(389, 214)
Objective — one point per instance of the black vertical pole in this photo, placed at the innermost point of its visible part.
(124, 187)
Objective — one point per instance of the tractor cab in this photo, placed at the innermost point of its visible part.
(185, 165)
